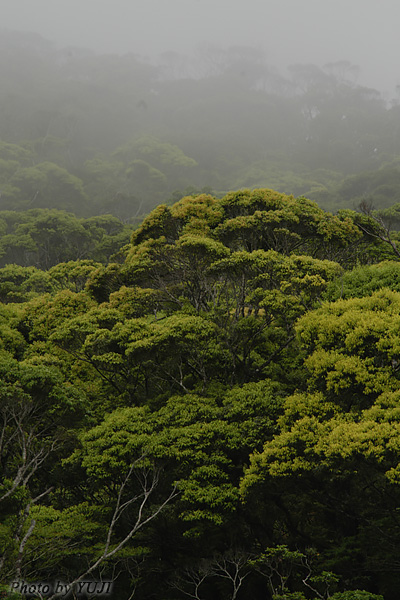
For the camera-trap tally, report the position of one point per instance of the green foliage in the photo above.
(46, 238)
(19, 284)
(59, 535)
(72, 275)
(205, 444)
(364, 280)
(340, 434)
(38, 412)
(379, 186)
(206, 375)
(8, 594)
(224, 346)
(354, 351)
(44, 185)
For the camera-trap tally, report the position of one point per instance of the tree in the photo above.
(19, 284)
(44, 238)
(47, 185)
(335, 461)
(36, 411)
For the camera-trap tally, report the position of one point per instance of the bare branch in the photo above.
(22, 547)
(383, 231)
(148, 487)
(235, 568)
(193, 579)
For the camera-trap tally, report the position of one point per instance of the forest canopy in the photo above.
(199, 388)
(212, 413)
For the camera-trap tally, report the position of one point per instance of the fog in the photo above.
(363, 32)
(115, 107)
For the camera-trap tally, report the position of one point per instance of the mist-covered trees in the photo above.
(44, 238)
(115, 134)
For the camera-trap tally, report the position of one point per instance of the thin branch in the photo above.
(141, 521)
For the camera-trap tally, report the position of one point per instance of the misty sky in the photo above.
(290, 31)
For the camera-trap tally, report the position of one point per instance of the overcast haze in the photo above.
(364, 32)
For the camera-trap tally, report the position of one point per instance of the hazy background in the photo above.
(132, 104)
(364, 32)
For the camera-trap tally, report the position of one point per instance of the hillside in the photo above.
(107, 134)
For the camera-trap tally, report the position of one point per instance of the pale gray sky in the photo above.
(291, 31)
